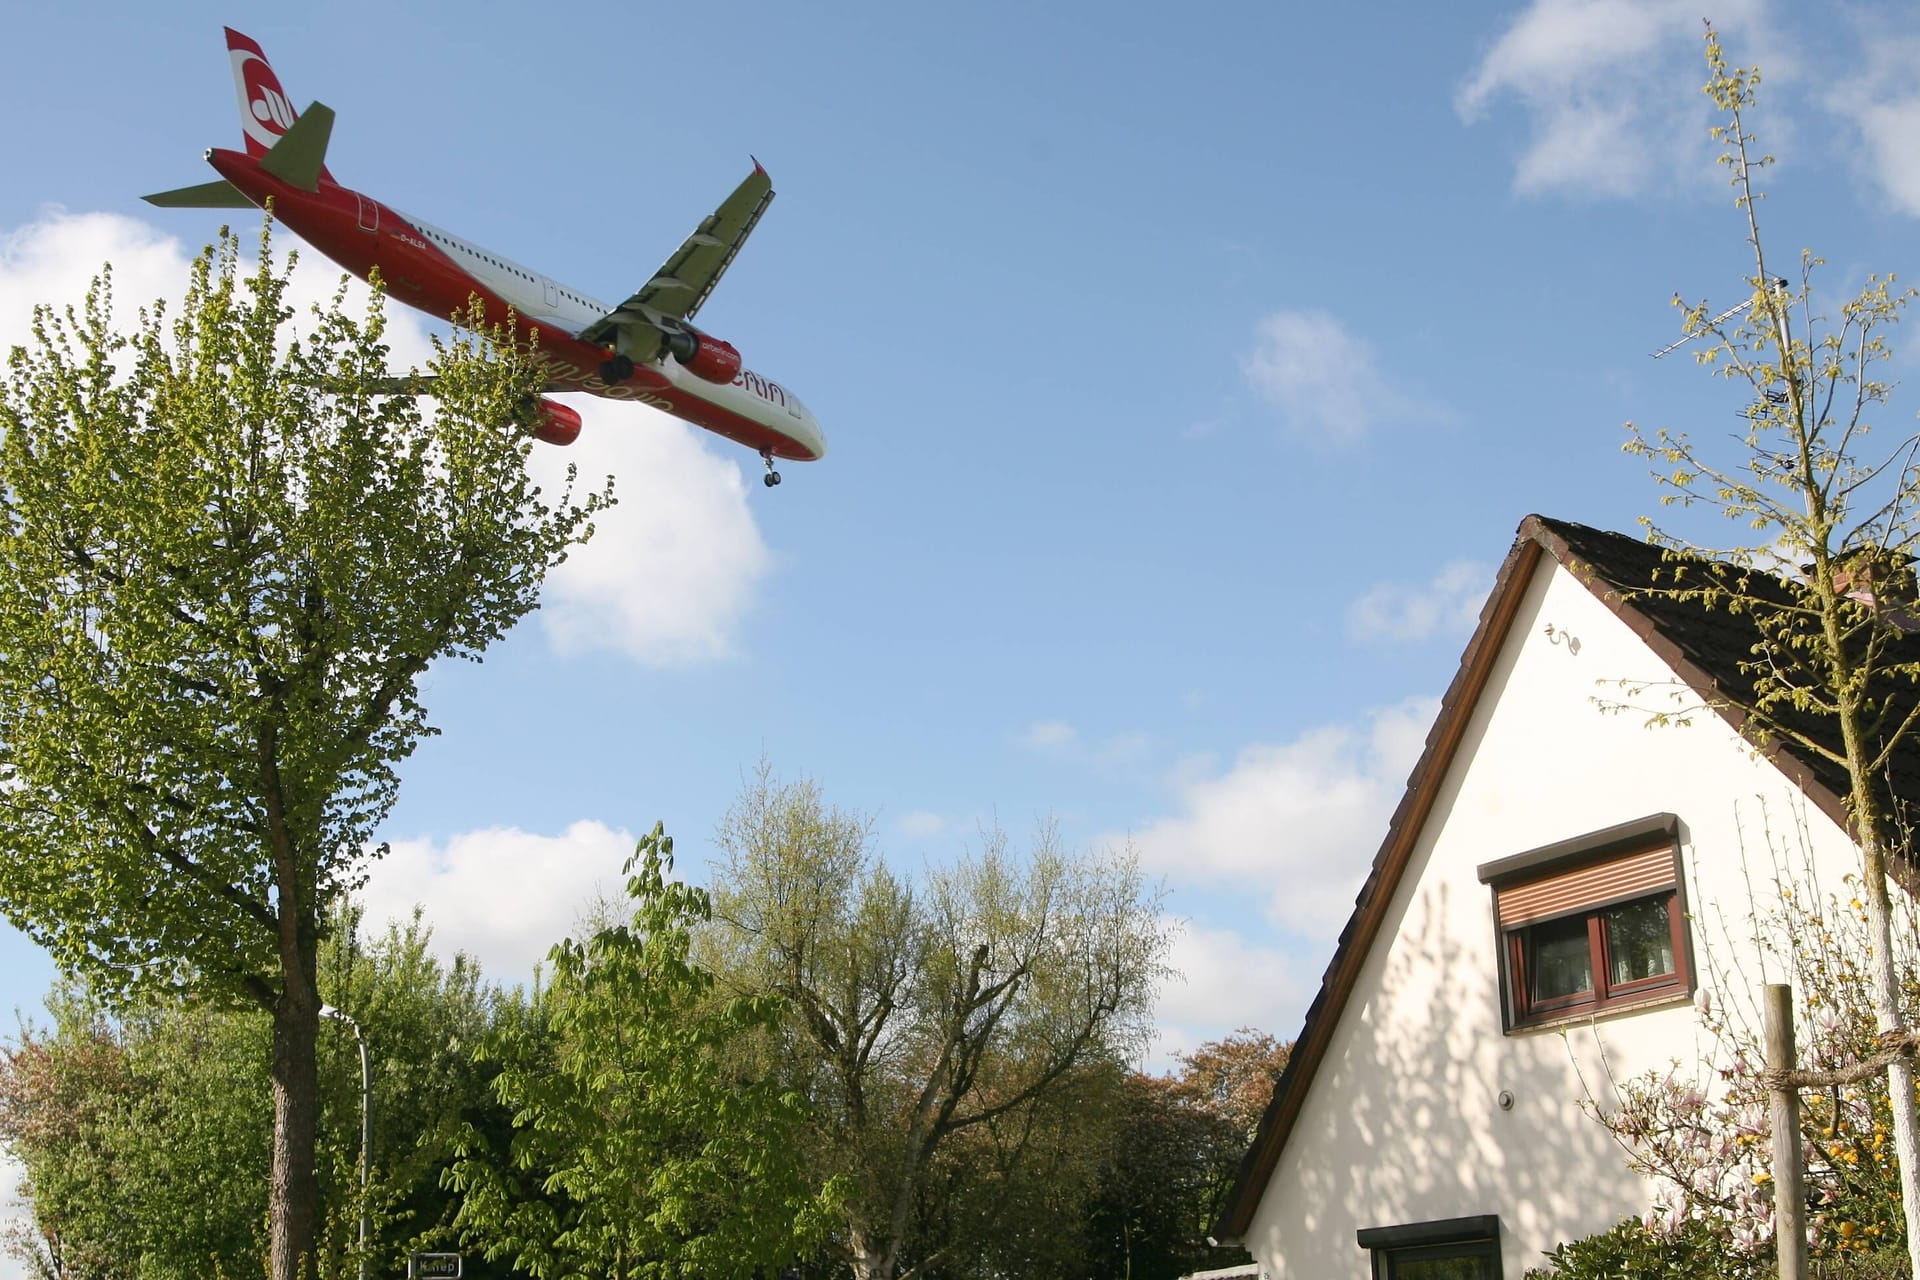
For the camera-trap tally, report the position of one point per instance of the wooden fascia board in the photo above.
(1356, 940)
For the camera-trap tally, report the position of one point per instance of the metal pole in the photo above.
(1789, 1171)
(366, 1145)
(366, 1129)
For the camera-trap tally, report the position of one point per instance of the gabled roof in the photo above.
(1705, 647)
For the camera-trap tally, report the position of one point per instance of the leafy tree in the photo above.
(1002, 1198)
(936, 1026)
(1832, 663)
(1234, 1077)
(639, 1146)
(127, 1167)
(1176, 1145)
(225, 560)
(146, 1136)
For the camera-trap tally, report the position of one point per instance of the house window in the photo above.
(1590, 924)
(1453, 1249)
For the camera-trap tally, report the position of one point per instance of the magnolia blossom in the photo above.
(1703, 1130)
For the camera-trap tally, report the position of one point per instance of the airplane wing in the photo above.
(685, 280)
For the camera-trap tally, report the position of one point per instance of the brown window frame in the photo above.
(1634, 848)
(1603, 993)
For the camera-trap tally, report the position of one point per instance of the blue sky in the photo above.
(1184, 382)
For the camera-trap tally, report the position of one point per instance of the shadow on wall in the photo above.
(1407, 1125)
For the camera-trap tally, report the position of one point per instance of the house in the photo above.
(1534, 926)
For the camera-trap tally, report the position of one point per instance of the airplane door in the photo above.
(552, 291)
(369, 213)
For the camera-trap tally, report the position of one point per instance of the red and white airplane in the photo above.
(644, 349)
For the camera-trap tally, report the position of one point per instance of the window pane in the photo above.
(1462, 1265)
(1558, 962)
(1639, 940)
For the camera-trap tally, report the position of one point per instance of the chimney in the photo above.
(1883, 581)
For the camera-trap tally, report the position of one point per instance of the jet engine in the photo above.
(704, 356)
(554, 422)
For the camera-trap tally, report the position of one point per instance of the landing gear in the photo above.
(772, 477)
(616, 369)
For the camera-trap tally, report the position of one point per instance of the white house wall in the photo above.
(1401, 1123)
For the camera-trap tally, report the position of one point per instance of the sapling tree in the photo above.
(226, 558)
(1833, 668)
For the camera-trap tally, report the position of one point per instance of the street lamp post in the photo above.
(366, 1126)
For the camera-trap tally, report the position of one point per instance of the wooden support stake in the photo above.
(1789, 1170)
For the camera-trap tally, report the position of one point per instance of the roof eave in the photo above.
(1356, 939)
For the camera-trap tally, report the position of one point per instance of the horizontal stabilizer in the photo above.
(208, 195)
(301, 154)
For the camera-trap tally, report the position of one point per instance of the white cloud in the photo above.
(1878, 97)
(670, 571)
(922, 824)
(1325, 382)
(1043, 735)
(1225, 983)
(1611, 88)
(55, 259)
(1299, 821)
(502, 895)
(674, 566)
(1449, 604)
(1125, 750)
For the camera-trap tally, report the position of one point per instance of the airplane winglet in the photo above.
(300, 156)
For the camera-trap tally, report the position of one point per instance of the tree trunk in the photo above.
(293, 1191)
(868, 1262)
(1889, 1018)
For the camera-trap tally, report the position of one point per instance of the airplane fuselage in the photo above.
(437, 272)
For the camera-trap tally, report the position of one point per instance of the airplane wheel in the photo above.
(616, 370)
(771, 479)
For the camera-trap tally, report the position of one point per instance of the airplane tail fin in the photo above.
(300, 157)
(266, 113)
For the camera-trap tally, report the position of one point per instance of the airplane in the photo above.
(645, 349)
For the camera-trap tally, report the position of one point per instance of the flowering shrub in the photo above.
(1693, 1250)
(1704, 1133)
(1696, 1251)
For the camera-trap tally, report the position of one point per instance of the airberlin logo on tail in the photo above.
(265, 113)
(271, 108)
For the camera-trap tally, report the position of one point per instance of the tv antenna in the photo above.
(1779, 286)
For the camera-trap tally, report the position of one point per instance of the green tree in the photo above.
(1176, 1144)
(640, 1149)
(1833, 671)
(225, 560)
(146, 1133)
(937, 1026)
(130, 1132)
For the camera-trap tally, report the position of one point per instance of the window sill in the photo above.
(1618, 1009)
